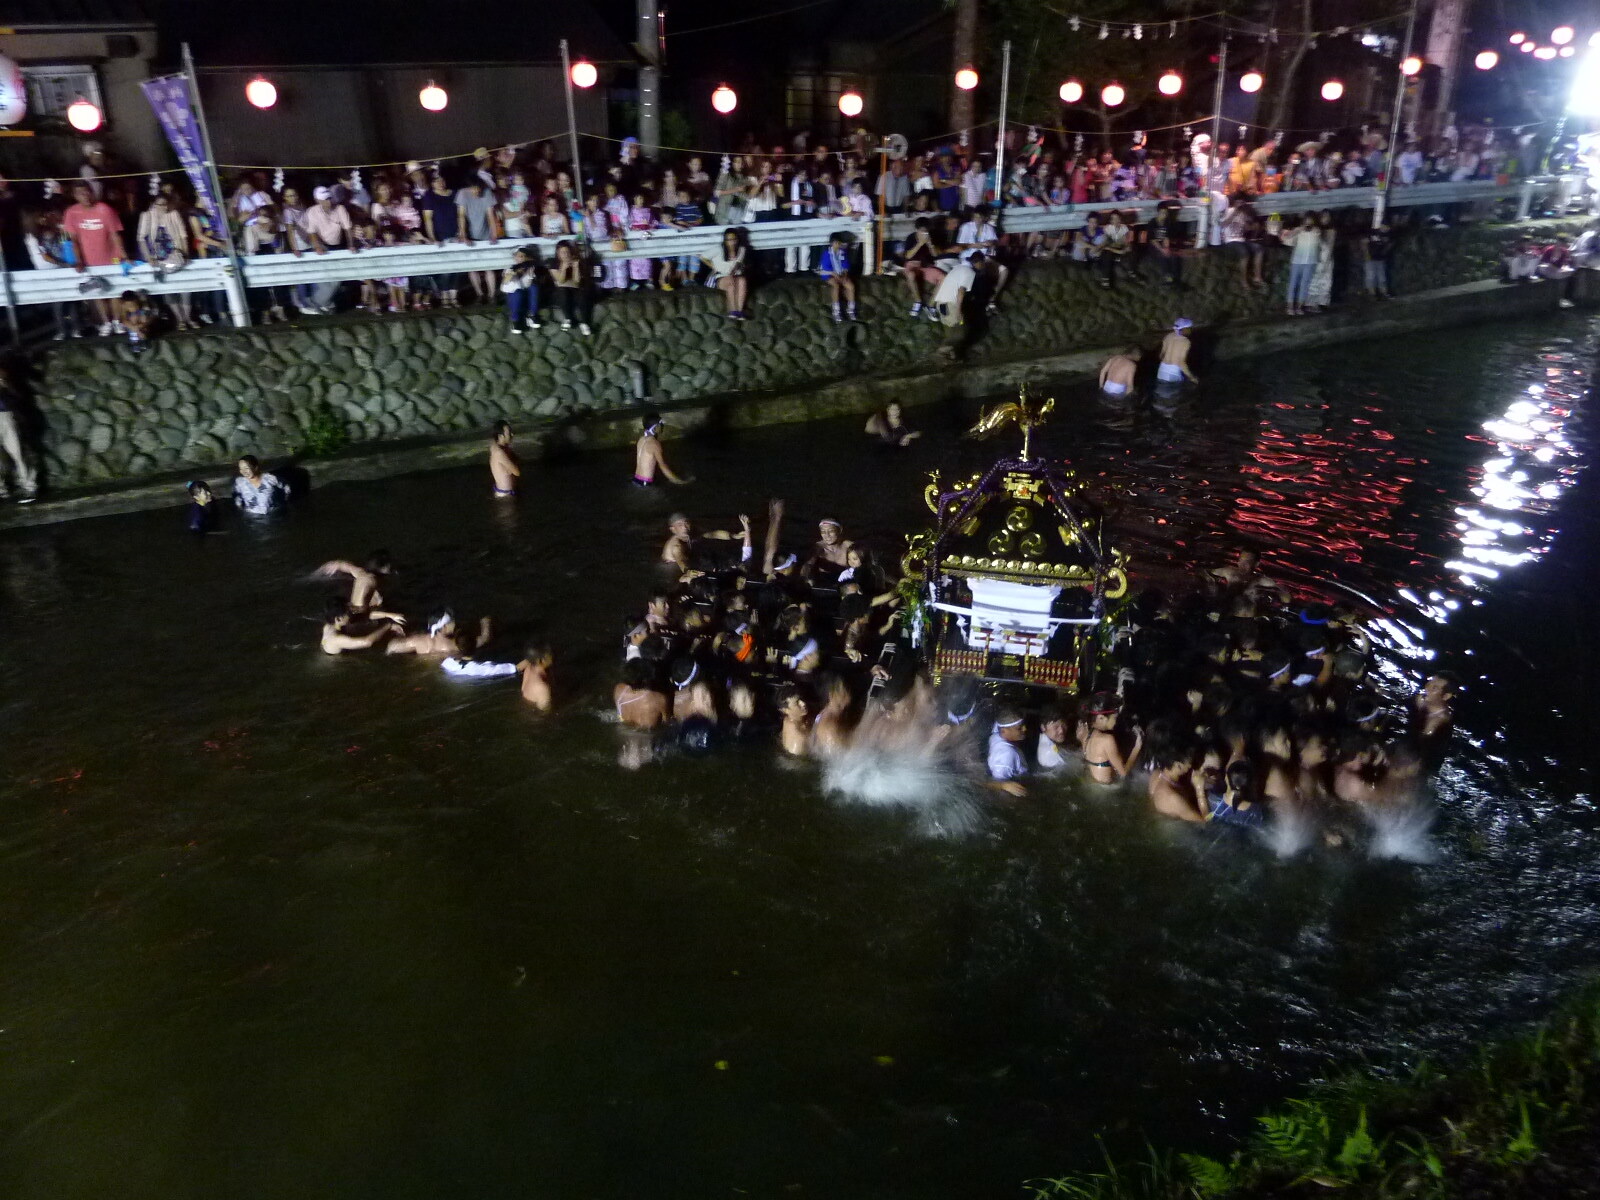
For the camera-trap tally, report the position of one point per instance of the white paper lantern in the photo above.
(13, 92)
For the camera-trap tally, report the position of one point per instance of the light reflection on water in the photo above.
(424, 944)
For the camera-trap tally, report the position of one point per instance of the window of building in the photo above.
(52, 88)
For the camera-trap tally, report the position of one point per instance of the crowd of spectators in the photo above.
(514, 193)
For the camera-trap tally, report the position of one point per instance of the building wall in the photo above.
(334, 117)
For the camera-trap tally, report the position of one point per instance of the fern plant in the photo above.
(325, 433)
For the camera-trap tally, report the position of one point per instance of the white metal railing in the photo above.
(381, 262)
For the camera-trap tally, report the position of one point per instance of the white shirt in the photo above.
(1049, 755)
(973, 234)
(1005, 760)
(958, 279)
(975, 186)
(860, 205)
(1409, 163)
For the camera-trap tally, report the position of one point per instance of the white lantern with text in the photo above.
(1071, 92)
(584, 74)
(851, 104)
(1170, 84)
(724, 99)
(1112, 95)
(13, 92)
(1332, 90)
(1250, 81)
(966, 79)
(433, 97)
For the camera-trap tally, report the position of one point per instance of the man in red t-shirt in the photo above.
(96, 233)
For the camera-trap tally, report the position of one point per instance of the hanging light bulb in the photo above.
(433, 97)
(1566, 52)
(1071, 92)
(1250, 81)
(261, 92)
(851, 104)
(83, 116)
(584, 74)
(1112, 95)
(1410, 66)
(966, 79)
(724, 99)
(1545, 52)
(1170, 84)
(1561, 34)
(1527, 47)
(1518, 38)
(1332, 90)
(1487, 60)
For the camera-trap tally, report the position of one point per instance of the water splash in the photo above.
(908, 760)
(1401, 832)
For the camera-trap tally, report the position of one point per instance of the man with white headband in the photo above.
(1175, 348)
(1007, 766)
(648, 457)
(831, 553)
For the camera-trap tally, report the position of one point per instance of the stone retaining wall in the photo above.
(194, 402)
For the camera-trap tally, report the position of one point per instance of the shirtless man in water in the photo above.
(832, 550)
(795, 736)
(648, 457)
(1171, 789)
(1175, 348)
(443, 639)
(535, 668)
(1117, 376)
(680, 544)
(364, 592)
(503, 465)
(831, 734)
(336, 641)
(639, 705)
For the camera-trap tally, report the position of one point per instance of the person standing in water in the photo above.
(535, 668)
(504, 468)
(648, 457)
(1102, 752)
(1005, 760)
(1175, 348)
(1117, 376)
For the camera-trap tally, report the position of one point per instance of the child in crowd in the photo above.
(133, 311)
(835, 271)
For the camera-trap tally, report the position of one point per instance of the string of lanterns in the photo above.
(262, 93)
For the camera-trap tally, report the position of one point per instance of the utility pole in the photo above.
(572, 120)
(1447, 26)
(963, 53)
(1392, 155)
(647, 45)
(1000, 134)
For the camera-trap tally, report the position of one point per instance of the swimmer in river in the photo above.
(795, 734)
(648, 457)
(1007, 766)
(442, 638)
(887, 426)
(639, 705)
(830, 733)
(535, 669)
(1241, 800)
(694, 705)
(335, 639)
(201, 515)
(1102, 752)
(831, 553)
(364, 592)
(1433, 716)
(679, 546)
(1171, 787)
(1175, 349)
(1117, 376)
(504, 468)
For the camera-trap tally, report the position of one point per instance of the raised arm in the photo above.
(774, 526)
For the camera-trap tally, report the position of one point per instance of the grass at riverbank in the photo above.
(1519, 1119)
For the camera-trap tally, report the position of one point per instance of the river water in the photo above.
(278, 925)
